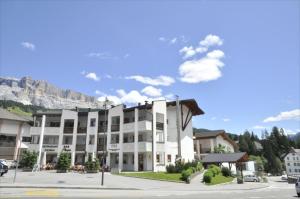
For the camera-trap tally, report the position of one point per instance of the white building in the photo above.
(11, 128)
(206, 141)
(125, 133)
(292, 162)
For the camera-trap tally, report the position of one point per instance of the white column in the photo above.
(72, 158)
(136, 139)
(198, 148)
(93, 155)
(211, 145)
(154, 140)
(41, 140)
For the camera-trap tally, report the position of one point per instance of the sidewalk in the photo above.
(51, 179)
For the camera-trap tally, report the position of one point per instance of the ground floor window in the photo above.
(160, 158)
(169, 158)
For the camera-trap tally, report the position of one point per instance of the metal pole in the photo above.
(105, 134)
(38, 163)
(178, 127)
(18, 153)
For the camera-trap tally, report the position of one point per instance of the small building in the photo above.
(12, 126)
(206, 141)
(292, 162)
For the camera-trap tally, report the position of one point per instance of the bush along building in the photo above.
(142, 138)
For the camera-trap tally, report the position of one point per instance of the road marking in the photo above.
(42, 192)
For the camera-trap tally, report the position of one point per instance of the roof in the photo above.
(6, 115)
(191, 104)
(225, 157)
(205, 134)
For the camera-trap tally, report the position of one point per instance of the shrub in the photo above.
(226, 172)
(199, 166)
(91, 165)
(214, 169)
(208, 175)
(64, 161)
(171, 168)
(186, 174)
(179, 166)
(28, 159)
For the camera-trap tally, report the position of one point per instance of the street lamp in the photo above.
(105, 144)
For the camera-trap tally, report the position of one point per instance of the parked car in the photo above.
(3, 167)
(284, 177)
(297, 186)
(251, 178)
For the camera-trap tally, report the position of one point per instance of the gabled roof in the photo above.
(191, 104)
(225, 157)
(6, 115)
(206, 134)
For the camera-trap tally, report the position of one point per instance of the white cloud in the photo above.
(211, 40)
(191, 51)
(173, 41)
(158, 81)
(28, 45)
(92, 76)
(287, 115)
(162, 39)
(289, 132)
(213, 118)
(152, 91)
(116, 100)
(260, 127)
(226, 119)
(126, 56)
(215, 54)
(202, 70)
(97, 92)
(102, 55)
(107, 76)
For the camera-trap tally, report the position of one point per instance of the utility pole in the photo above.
(105, 144)
(178, 127)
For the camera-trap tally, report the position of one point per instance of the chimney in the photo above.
(124, 106)
(139, 104)
(146, 102)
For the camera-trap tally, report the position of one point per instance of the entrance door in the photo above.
(141, 162)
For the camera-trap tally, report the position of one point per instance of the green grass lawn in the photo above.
(220, 179)
(155, 175)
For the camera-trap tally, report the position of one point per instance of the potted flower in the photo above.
(92, 166)
(28, 160)
(64, 162)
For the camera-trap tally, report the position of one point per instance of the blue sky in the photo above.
(238, 59)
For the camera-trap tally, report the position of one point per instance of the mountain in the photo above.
(41, 93)
(294, 137)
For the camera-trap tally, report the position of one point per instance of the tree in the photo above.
(28, 159)
(64, 161)
(220, 149)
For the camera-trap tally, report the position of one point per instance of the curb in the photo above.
(182, 182)
(60, 187)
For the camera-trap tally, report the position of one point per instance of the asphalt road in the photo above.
(277, 190)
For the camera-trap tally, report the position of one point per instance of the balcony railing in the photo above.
(115, 127)
(81, 130)
(80, 147)
(68, 129)
(102, 129)
(100, 147)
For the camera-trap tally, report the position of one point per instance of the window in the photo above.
(294, 164)
(35, 139)
(115, 123)
(296, 170)
(293, 158)
(51, 139)
(160, 137)
(288, 164)
(68, 126)
(67, 140)
(160, 121)
(26, 139)
(160, 158)
(114, 139)
(169, 158)
(290, 170)
(125, 159)
(287, 158)
(92, 139)
(297, 158)
(93, 122)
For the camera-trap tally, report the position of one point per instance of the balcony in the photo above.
(145, 125)
(48, 130)
(68, 130)
(80, 147)
(100, 148)
(81, 130)
(114, 147)
(144, 146)
(115, 127)
(50, 145)
(128, 127)
(102, 129)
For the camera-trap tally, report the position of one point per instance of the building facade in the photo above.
(208, 141)
(140, 138)
(12, 127)
(292, 162)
